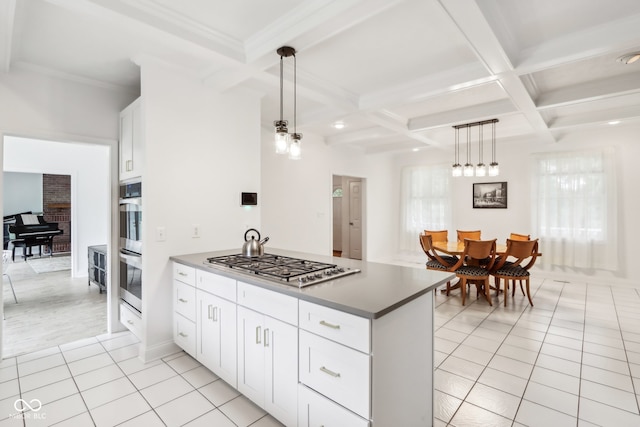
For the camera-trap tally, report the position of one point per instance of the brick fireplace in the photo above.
(56, 205)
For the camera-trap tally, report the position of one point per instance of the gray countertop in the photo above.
(378, 289)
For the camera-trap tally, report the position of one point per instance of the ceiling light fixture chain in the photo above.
(480, 169)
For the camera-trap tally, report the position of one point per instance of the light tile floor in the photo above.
(100, 381)
(573, 359)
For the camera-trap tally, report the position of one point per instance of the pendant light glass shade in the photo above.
(494, 169)
(295, 149)
(282, 137)
(480, 169)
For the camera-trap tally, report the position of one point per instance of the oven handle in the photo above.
(132, 259)
(131, 201)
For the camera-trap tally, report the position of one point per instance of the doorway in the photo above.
(77, 309)
(348, 216)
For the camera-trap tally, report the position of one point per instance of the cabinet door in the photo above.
(217, 336)
(251, 355)
(281, 370)
(126, 143)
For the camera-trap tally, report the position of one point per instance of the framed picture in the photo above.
(491, 195)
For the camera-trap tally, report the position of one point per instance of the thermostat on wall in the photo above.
(249, 199)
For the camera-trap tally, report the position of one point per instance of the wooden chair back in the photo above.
(480, 250)
(516, 236)
(464, 234)
(438, 236)
(519, 251)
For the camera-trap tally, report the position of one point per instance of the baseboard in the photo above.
(149, 354)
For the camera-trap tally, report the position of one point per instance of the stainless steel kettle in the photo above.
(253, 247)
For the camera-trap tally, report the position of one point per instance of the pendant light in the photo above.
(456, 170)
(286, 142)
(468, 167)
(494, 169)
(481, 169)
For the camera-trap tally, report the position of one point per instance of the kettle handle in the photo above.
(247, 232)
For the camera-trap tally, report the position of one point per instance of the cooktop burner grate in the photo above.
(294, 271)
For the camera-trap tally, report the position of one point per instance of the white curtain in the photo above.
(425, 204)
(575, 209)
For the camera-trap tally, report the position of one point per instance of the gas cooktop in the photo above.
(291, 271)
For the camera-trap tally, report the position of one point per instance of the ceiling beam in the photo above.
(591, 91)
(463, 115)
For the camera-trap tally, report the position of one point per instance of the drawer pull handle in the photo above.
(329, 325)
(130, 322)
(182, 273)
(182, 300)
(330, 372)
(182, 334)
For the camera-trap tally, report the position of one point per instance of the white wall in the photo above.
(202, 149)
(515, 163)
(22, 192)
(296, 197)
(88, 166)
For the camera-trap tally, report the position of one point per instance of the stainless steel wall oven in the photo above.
(131, 244)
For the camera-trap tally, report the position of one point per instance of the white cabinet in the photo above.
(268, 352)
(316, 410)
(184, 308)
(216, 334)
(131, 319)
(131, 141)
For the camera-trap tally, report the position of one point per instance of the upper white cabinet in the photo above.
(131, 141)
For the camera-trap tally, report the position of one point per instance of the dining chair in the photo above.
(463, 234)
(516, 236)
(470, 267)
(518, 252)
(437, 261)
(438, 236)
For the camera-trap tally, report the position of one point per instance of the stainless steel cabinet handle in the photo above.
(182, 334)
(209, 312)
(329, 325)
(182, 300)
(258, 335)
(181, 273)
(215, 314)
(330, 372)
(266, 337)
(130, 322)
(129, 165)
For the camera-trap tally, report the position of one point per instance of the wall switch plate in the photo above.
(161, 234)
(195, 231)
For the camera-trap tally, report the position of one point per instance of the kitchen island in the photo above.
(357, 350)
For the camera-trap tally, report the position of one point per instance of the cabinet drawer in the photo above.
(221, 286)
(131, 319)
(184, 334)
(345, 328)
(184, 274)
(316, 410)
(274, 304)
(184, 300)
(338, 372)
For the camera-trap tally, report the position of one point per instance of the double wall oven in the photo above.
(131, 244)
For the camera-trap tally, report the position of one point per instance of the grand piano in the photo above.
(32, 230)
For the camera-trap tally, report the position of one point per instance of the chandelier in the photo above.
(287, 143)
(480, 169)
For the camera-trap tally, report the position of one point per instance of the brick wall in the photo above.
(56, 204)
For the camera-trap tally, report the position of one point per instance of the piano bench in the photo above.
(27, 244)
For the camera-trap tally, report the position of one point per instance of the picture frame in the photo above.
(490, 195)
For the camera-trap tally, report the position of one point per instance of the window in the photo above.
(575, 208)
(425, 201)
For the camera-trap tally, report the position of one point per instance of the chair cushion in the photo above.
(470, 270)
(512, 271)
(435, 265)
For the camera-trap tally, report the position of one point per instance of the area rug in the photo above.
(49, 264)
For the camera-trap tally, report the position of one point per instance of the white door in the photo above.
(355, 219)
